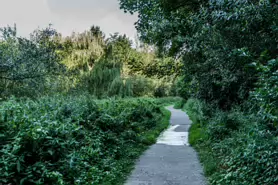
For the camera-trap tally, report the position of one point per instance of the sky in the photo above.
(66, 16)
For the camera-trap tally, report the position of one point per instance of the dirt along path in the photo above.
(171, 161)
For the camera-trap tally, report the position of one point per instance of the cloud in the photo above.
(27, 14)
(66, 15)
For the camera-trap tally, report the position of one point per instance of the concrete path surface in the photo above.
(171, 161)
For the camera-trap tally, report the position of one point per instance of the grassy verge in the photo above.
(198, 139)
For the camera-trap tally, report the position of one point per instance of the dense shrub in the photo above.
(73, 140)
(229, 51)
(181, 87)
(179, 104)
(197, 110)
(266, 94)
(222, 124)
(28, 64)
(141, 86)
(160, 92)
(253, 161)
(235, 147)
(168, 100)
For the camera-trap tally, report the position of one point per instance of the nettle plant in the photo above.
(65, 140)
(266, 94)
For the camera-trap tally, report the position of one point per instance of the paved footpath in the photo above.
(171, 161)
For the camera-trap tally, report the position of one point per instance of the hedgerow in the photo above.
(234, 147)
(74, 140)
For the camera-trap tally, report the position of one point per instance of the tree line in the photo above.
(49, 63)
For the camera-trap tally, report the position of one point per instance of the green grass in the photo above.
(198, 139)
(196, 134)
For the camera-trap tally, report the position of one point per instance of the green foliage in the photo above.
(229, 52)
(105, 79)
(254, 161)
(160, 92)
(223, 124)
(181, 87)
(81, 50)
(75, 140)
(196, 134)
(266, 94)
(27, 64)
(49, 63)
(118, 47)
(197, 110)
(141, 86)
(179, 104)
(167, 100)
(163, 67)
(216, 40)
(111, 67)
(234, 147)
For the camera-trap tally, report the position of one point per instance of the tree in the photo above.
(26, 63)
(217, 41)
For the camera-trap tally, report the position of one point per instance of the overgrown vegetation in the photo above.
(75, 140)
(229, 77)
(48, 63)
(68, 112)
(234, 147)
(220, 56)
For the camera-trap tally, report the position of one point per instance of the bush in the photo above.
(234, 147)
(266, 94)
(27, 64)
(197, 110)
(179, 104)
(160, 92)
(74, 140)
(222, 124)
(168, 100)
(252, 161)
(141, 86)
(181, 87)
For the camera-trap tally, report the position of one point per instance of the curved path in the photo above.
(171, 161)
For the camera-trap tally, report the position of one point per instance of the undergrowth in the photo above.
(234, 147)
(179, 103)
(74, 139)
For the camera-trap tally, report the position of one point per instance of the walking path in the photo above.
(171, 161)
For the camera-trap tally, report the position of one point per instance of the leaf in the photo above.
(22, 181)
(18, 166)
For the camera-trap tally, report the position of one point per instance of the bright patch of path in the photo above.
(171, 161)
(171, 137)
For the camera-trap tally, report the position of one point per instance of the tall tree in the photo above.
(26, 63)
(218, 40)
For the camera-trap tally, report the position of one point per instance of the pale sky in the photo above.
(66, 16)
